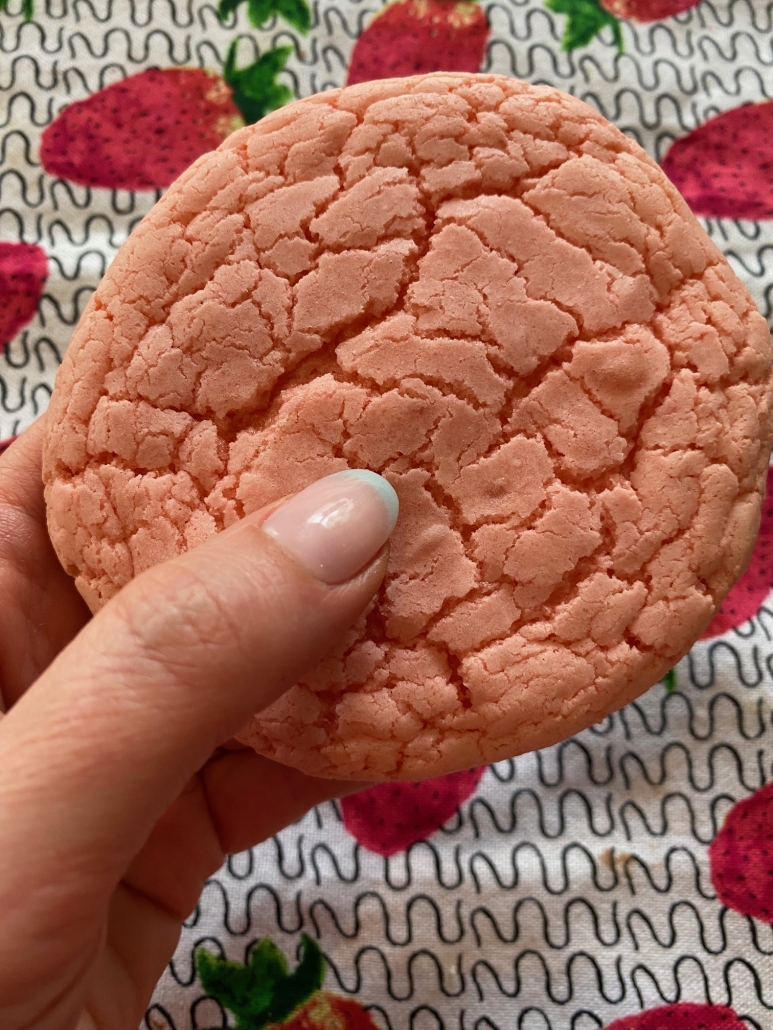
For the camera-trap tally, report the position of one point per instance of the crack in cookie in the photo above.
(488, 294)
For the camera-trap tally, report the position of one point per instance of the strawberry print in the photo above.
(741, 856)
(326, 1011)
(263, 993)
(745, 598)
(410, 37)
(23, 272)
(141, 133)
(647, 10)
(724, 168)
(682, 1016)
(390, 817)
(586, 18)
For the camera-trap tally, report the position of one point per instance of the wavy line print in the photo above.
(481, 859)
(425, 985)
(15, 175)
(711, 50)
(671, 938)
(334, 918)
(31, 61)
(633, 864)
(674, 799)
(670, 705)
(752, 10)
(78, 303)
(631, 758)
(718, 227)
(522, 63)
(533, 904)
(21, 343)
(571, 794)
(29, 32)
(542, 16)
(550, 990)
(215, 887)
(622, 762)
(725, 646)
(90, 45)
(7, 406)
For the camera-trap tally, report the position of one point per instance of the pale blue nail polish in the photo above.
(382, 488)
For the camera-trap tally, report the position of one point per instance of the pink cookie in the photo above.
(485, 291)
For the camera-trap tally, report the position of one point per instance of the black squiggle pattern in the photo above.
(510, 929)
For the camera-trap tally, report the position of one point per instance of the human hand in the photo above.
(117, 800)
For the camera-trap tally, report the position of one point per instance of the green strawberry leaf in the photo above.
(226, 7)
(229, 982)
(296, 12)
(267, 963)
(254, 88)
(260, 11)
(586, 18)
(262, 992)
(300, 985)
(669, 681)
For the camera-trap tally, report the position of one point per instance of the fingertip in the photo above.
(337, 525)
(383, 488)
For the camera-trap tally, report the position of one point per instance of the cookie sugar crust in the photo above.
(486, 292)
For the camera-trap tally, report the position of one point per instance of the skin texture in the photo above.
(486, 292)
(117, 798)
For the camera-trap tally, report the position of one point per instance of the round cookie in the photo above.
(486, 292)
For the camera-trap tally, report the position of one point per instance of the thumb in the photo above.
(172, 667)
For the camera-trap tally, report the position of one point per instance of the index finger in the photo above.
(41, 609)
(21, 463)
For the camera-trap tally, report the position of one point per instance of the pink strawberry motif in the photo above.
(741, 856)
(410, 37)
(141, 133)
(23, 271)
(586, 18)
(681, 1016)
(390, 817)
(327, 1011)
(724, 168)
(755, 584)
(647, 10)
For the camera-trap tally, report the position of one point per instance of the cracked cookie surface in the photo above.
(484, 291)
